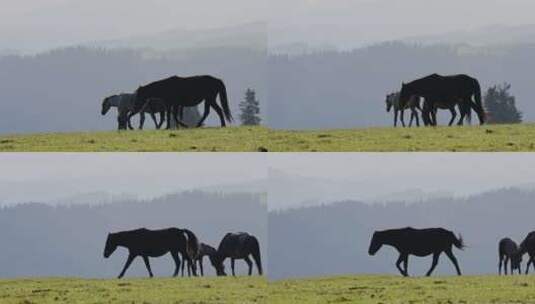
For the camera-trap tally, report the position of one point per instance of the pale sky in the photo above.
(325, 178)
(45, 177)
(355, 22)
(29, 24)
(40, 24)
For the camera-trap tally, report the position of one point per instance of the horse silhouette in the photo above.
(528, 246)
(418, 242)
(508, 251)
(154, 243)
(125, 105)
(237, 246)
(392, 101)
(177, 92)
(204, 250)
(448, 90)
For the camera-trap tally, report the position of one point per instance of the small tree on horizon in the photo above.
(250, 108)
(501, 105)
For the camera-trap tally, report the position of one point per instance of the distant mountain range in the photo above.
(318, 39)
(495, 35)
(249, 36)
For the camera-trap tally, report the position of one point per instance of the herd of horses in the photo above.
(168, 98)
(183, 243)
(435, 241)
(437, 92)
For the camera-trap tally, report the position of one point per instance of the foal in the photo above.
(508, 250)
(392, 101)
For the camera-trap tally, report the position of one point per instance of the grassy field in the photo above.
(252, 139)
(143, 291)
(391, 290)
(234, 139)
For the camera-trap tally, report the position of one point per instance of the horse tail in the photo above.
(192, 244)
(458, 241)
(478, 102)
(224, 101)
(256, 254)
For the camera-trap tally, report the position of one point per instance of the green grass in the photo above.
(392, 290)
(134, 291)
(468, 138)
(251, 139)
(233, 139)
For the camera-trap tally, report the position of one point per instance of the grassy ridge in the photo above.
(234, 139)
(391, 290)
(251, 139)
(133, 291)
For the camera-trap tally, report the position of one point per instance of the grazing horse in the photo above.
(154, 243)
(204, 250)
(507, 250)
(237, 246)
(177, 92)
(528, 246)
(392, 101)
(451, 90)
(125, 105)
(418, 242)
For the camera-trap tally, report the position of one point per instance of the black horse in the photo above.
(237, 246)
(528, 246)
(204, 250)
(507, 250)
(418, 242)
(452, 90)
(178, 92)
(154, 243)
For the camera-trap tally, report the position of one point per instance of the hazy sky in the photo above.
(29, 24)
(361, 21)
(41, 24)
(325, 178)
(42, 177)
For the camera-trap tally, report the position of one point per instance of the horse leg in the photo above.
(527, 265)
(453, 260)
(453, 115)
(512, 270)
(126, 265)
(406, 264)
(232, 263)
(402, 117)
(433, 264)
(176, 258)
(401, 258)
(168, 114)
(249, 264)
(219, 111)
(201, 268)
(153, 116)
(141, 120)
(147, 264)
(505, 265)
(395, 118)
(162, 117)
(206, 112)
(462, 110)
(500, 265)
(415, 113)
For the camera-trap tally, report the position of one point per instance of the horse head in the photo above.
(375, 244)
(106, 105)
(217, 261)
(110, 247)
(516, 260)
